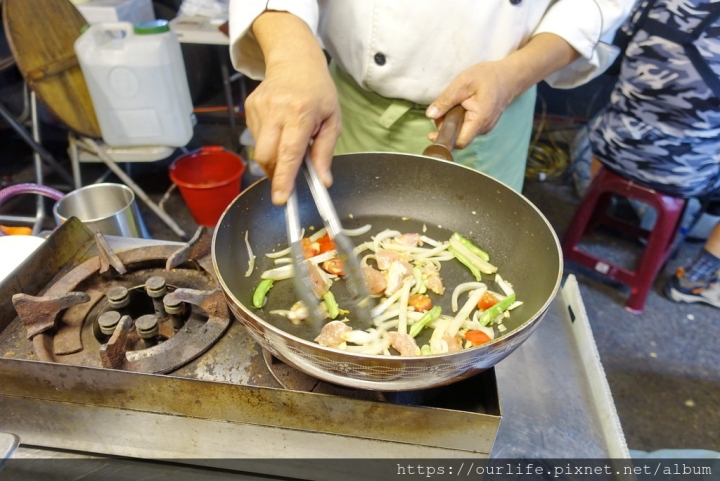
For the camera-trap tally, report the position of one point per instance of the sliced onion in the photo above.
(318, 234)
(442, 259)
(279, 273)
(389, 314)
(325, 256)
(476, 326)
(432, 252)
(386, 234)
(374, 348)
(361, 337)
(359, 231)
(467, 286)
(251, 257)
(384, 305)
(365, 246)
(387, 325)
(505, 286)
(428, 240)
(363, 261)
(404, 296)
(275, 255)
(437, 344)
(464, 313)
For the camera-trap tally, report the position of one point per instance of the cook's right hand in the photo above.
(295, 103)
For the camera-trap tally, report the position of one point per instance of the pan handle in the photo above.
(443, 146)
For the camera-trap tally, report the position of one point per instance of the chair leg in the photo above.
(75, 160)
(582, 218)
(39, 151)
(34, 142)
(40, 209)
(93, 147)
(656, 252)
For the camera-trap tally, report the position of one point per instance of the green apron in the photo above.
(373, 123)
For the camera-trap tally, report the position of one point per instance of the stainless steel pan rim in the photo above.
(267, 334)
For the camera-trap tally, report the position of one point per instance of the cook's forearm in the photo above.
(284, 37)
(544, 54)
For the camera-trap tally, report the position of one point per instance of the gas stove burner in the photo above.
(151, 309)
(290, 378)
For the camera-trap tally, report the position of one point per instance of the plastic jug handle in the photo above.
(125, 27)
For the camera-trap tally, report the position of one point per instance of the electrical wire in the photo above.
(547, 160)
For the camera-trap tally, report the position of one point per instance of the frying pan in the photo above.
(408, 193)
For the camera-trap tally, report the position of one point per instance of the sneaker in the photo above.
(679, 289)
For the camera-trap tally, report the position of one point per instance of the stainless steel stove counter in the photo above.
(234, 401)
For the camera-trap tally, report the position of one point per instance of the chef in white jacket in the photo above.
(399, 65)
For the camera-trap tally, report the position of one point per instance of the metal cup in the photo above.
(106, 208)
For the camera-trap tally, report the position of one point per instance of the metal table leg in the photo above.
(227, 84)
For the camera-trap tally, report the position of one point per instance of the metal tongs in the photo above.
(360, 302)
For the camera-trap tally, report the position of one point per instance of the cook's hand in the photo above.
(487, 88)
(484, 90)
(296, 102)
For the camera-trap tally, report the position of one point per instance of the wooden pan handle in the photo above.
(445, 143)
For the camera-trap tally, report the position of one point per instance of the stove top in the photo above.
(138, 308)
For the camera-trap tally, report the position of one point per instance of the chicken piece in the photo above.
(410, 240)
(395, 276)
(433, 280)
(334, 266)
(309, 248)
(375, 280)
(385, 258)
(454, 343)
(317, 282)
(298, 313)
(331, 334)
(404, 344)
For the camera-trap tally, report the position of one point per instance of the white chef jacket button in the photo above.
(515, 2)
(380, 59)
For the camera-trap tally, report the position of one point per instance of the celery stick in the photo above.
(427, 318)
(332, 306)
(487, 317)
(481, 253)
(474, 270)
(261, 291)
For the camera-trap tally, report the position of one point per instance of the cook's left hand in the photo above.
(487, 88)
(484, 90)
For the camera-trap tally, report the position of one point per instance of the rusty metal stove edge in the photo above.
(68, 243)
(69, 388)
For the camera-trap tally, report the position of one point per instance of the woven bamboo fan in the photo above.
(41, 34)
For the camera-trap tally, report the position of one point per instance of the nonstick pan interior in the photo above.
(405, 193)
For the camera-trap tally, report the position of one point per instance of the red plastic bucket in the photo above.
(209, 180)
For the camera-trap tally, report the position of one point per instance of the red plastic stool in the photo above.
(592, 212)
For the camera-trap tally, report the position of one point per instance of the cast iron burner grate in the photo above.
(151, 309)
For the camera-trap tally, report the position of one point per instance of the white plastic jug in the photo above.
(137, 82)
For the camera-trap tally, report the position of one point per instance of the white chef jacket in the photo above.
(425, 44)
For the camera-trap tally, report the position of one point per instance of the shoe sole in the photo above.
(678, 296)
